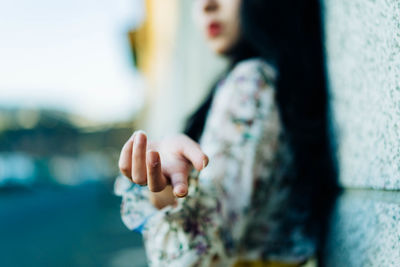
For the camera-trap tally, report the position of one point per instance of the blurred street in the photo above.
(78, 78)
(65, 226)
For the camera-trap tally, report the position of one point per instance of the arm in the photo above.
(163, 166)
(208, 224)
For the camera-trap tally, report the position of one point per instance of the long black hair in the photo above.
(288, 34)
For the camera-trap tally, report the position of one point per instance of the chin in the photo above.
(222, 46)
(220, 49)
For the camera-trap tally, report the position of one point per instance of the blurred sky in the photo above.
(71, 55)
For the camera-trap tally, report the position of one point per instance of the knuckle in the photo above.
(125, 169)
(139, 181)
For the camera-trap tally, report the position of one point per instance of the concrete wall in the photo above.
(363, 48)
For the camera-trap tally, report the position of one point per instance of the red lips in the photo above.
(214, 29)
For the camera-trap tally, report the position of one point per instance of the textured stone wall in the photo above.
(365, 230)
(363, 44)
(363, 49)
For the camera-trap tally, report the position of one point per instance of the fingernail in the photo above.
(141, 131)
(137, 139)
(205, 163)
(137, 135)
(180, 190)
(133, 136)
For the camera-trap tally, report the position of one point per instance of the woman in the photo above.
(262, 134)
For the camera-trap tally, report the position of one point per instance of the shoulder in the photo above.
(247, 90)
(249, 80)
(254, 69)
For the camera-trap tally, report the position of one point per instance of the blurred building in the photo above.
(38, 146)
(69, 90)
(178, 66)
(73, 56)
(78, 96)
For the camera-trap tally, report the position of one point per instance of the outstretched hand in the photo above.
(159, 164)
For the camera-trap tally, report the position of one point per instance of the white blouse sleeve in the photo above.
(206, 227)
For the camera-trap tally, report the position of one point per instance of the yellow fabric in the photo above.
(310, 263)
(263, 264)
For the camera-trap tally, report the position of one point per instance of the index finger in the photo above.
(193, 152)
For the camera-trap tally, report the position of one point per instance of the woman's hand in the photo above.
(159, 164)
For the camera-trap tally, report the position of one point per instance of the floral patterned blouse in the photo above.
(238, 207)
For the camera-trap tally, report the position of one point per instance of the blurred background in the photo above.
(76, 79)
